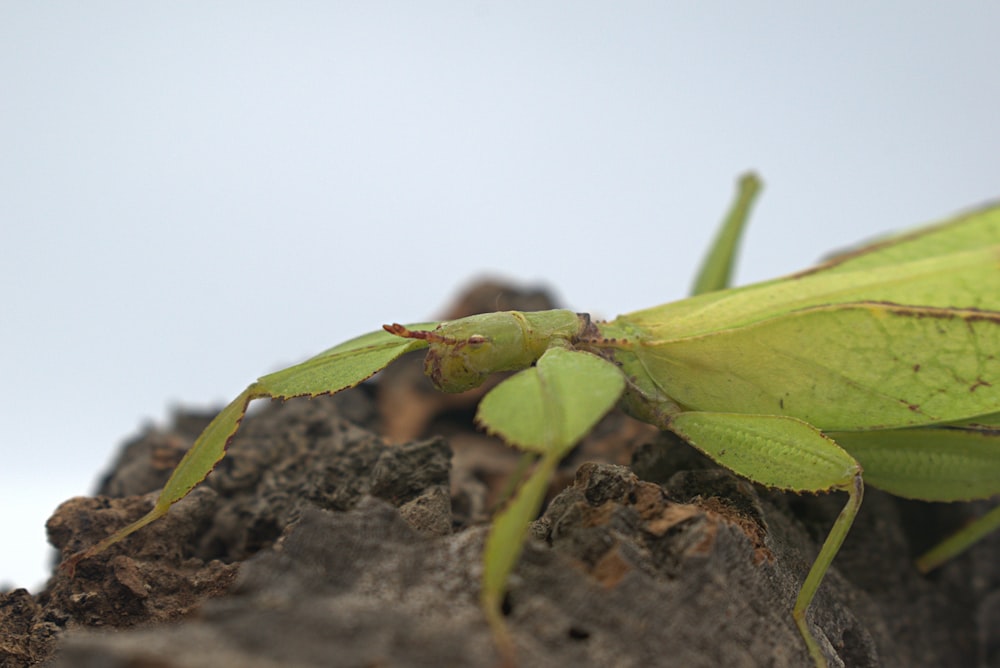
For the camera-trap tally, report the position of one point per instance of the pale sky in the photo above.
(193, 194)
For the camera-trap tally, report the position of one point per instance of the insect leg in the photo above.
(784, 453)
(959, 541)
(831, 546)
(197, 463)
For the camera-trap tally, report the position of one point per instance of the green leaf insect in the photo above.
(881, 364)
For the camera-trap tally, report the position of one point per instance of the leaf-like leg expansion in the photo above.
(334, 370)
(545, 409)
(785, 453)
(548, 408)
(949, 463)
(340, 367)
(959, 541)
(717, 268)
(192, 469)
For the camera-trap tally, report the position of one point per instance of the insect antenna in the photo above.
(429, 337)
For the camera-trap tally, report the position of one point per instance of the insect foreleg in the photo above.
(192, 469)
(334, 370)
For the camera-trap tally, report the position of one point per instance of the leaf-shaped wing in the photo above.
(929, 463)
(969, 231)
(966, 279)
(843, 367)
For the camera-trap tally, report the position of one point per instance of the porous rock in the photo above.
(318, 543)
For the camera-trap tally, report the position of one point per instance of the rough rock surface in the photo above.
(318, 543)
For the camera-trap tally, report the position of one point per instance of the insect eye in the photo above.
(477, 339)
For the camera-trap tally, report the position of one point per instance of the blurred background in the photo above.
(194, 194)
